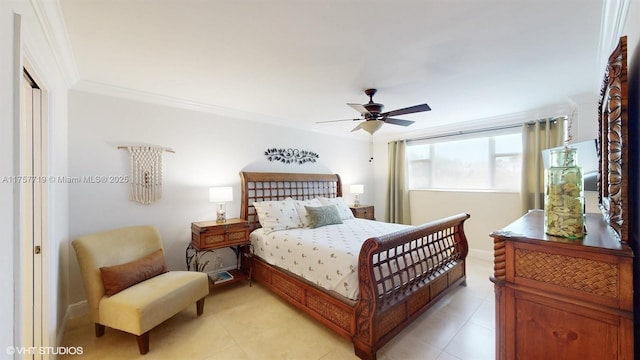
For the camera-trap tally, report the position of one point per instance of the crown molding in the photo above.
(49, 14)
(99, 88)
(170, 101)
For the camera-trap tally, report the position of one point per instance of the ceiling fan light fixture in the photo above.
(371, 126)
(374, 118)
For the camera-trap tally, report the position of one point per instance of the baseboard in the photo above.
(78, 309)
(481, 255)
(74, 311)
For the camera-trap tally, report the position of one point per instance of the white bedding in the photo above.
(326, 256)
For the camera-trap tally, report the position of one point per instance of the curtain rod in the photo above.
(495, 128)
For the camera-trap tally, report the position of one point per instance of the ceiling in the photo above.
(297, 62)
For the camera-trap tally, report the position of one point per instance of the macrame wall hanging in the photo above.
(146, 172)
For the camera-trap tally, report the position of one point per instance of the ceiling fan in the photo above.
(374, 117)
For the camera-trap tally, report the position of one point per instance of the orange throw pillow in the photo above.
(119, 277)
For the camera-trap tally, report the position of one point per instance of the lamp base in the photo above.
(221, 214)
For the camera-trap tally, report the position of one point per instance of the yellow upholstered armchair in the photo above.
(127, 283)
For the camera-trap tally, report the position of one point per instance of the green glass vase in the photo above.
(564, 196)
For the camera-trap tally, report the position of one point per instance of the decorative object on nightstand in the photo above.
(221, 195)
(363, 212)
(356, 190)
(220, 277)
(208, 236)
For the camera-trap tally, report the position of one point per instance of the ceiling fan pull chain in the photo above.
(371, 148)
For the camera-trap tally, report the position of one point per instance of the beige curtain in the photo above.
(397, 210)
(537, 136)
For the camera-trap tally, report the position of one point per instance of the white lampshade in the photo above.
(371, 126)
(357, 189)
(221, 194)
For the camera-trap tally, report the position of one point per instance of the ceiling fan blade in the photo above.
(359, 108)
(356, 128)
(408, 110)
(328, 121)
(398, 121)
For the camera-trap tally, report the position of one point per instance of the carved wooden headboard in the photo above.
(613, 149)
(263, 186)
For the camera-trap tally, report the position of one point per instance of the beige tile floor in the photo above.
(242, 322)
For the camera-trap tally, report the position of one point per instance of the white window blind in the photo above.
(484, 160)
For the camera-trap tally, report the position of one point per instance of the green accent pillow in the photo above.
(323, 215)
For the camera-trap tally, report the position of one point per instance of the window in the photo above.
(491, 161)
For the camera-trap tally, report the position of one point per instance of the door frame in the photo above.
(33, 200)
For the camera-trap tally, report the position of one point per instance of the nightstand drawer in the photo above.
(363, 212)
(207, 239)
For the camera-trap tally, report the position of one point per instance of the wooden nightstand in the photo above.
(363, 212)
(207, 236)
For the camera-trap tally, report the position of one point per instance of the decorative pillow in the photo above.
(341, 205)
(302, 212)
(323, 215)
(277, 215)
(119, 277)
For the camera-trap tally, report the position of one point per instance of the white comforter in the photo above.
(326, 256)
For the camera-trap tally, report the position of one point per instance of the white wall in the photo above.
(6, 169)
(490, 211)
(585, 124)
(34, 47)
(209, 151)
(632, 30)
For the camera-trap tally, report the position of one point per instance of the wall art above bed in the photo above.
(291, 156)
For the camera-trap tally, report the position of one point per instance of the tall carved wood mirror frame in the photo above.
(613, 143)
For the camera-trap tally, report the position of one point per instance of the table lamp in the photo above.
(356, 190)
(221, 195)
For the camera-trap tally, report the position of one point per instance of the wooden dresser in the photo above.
(562, 299)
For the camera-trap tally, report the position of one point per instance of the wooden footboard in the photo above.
(402, 274)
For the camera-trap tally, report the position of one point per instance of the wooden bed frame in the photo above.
(428, 260)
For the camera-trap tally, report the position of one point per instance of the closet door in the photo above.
(33, 201)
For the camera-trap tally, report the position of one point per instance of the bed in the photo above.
(399, 274)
